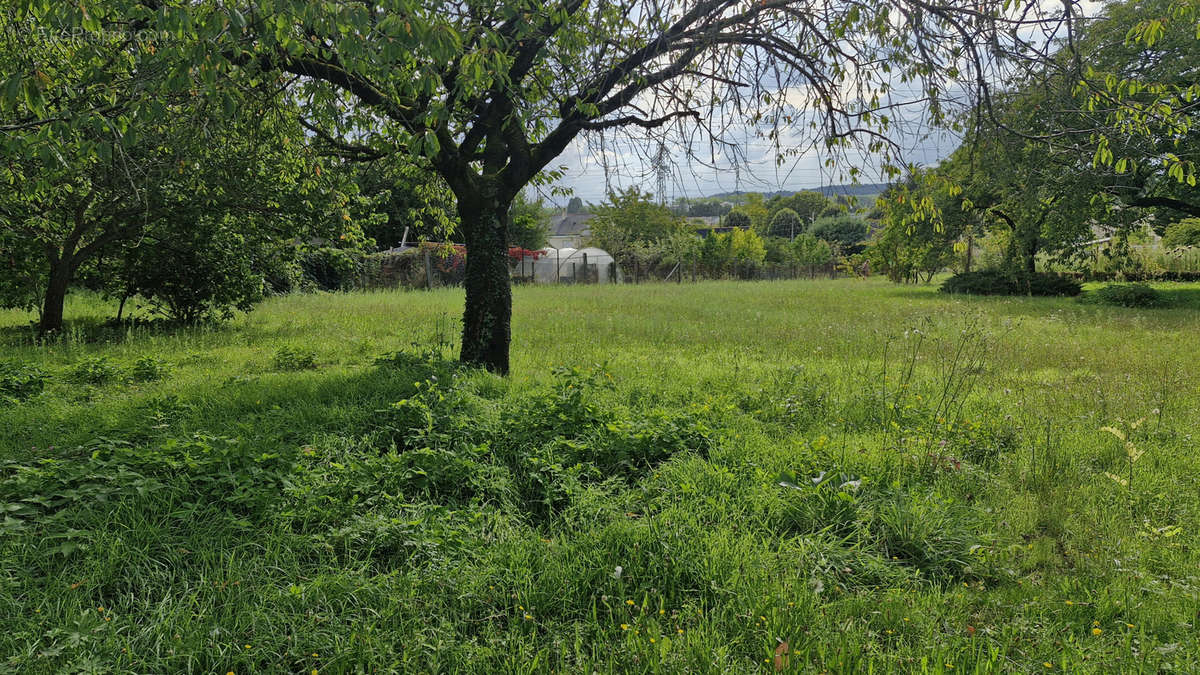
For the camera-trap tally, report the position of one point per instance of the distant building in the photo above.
(569, 230)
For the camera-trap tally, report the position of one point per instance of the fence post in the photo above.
(428, 273)
(587, 277)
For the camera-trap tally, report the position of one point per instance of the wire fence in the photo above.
(426, 270)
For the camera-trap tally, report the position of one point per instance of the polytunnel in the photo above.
(568, 265)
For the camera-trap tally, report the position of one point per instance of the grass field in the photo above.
(839, 476)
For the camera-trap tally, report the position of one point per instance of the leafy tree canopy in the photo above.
(786, 223)
(629, 217)
(492, 93)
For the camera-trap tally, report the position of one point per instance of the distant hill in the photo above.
(860, 190)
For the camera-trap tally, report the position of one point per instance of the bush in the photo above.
(94, 371)
(294, 358)
(786, 223)
(1129, 295)
(149, 369)
(1183, 233)
(846, 232)
(19, 382)
(332, 269)
(1000, 282)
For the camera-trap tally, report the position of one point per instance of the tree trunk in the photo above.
(56, 294)
(487, 319)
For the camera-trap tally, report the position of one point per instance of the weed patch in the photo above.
(845, 476)
(20, 382)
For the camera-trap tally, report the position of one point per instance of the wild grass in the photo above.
(837, 476)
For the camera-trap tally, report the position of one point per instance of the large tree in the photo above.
(106, 155)
(492, 92)
(1057, 161)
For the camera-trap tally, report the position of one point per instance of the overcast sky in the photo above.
(586, 174)
(704, 174)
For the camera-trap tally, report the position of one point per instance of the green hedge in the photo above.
(999, 282)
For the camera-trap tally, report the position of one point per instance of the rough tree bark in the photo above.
(487, 317)
(56, 293)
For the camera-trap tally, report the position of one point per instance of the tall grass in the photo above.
(836, 476)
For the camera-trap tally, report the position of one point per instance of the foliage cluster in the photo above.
(20, 381)
(845, 232)
(1004, 282)
(291, 357)
(1182, 233)
(1128, 295)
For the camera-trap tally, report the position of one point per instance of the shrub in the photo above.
(20, 381)
(786, 223)
(149, 369)
(1129, 295)
(209, 270)
(332, 269)
(1183, 233)
(294, 358)
(845, 231)
(96, 370)
(1001, 282)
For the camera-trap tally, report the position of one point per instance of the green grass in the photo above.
(313, 488)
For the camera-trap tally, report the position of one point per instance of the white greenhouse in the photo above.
(569, 265)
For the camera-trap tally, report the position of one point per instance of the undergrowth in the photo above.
(912, 487)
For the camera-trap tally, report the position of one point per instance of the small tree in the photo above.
(204, 271)
(630, 217)
(736, 219)
(530, 226)
(916, 241)
(786, 223)
(808, 205)
(746, 247)
(1185, 232)
(810, 251)
(846, 232)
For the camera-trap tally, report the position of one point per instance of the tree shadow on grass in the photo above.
(264, 410)
(1183, 297)
(97, 330)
